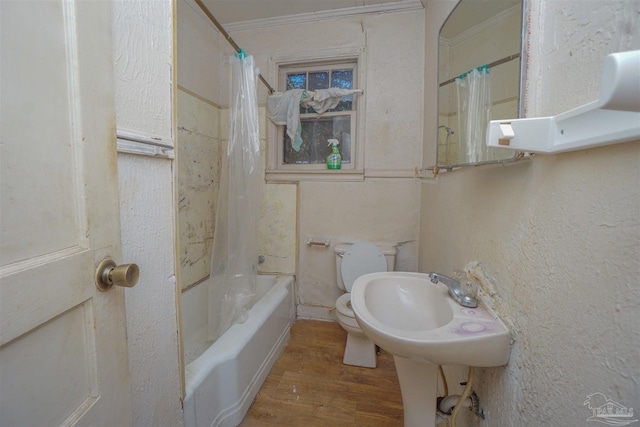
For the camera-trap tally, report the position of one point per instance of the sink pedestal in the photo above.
(423, 327)
(418, 385)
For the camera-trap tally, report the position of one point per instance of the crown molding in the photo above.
(399, 6)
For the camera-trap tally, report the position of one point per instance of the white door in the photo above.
(63, 353)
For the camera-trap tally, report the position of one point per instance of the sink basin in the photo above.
(410, 317)
(422, 326)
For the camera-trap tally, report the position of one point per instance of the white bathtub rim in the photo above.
(229, 345)
(226, 417)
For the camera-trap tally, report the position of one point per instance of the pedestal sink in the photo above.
(416, 321)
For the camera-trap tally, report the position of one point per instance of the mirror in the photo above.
(476, 34)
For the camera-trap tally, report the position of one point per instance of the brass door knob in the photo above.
(108, 274)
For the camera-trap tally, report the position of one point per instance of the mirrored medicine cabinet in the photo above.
(489, 35)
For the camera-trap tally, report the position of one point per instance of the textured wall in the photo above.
(394, 44)
(379, 211)
(143, 63)
(143, 68)
(147, 240)
(559, 235)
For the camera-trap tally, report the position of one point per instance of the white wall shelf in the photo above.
(614, 118)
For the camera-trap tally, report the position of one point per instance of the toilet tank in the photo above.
(389, 252)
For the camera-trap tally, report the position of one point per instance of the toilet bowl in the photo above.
(352, 261)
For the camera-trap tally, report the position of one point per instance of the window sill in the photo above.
(273, 175)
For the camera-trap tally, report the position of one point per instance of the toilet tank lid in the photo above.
(387, 249)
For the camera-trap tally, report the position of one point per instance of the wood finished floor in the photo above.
(310, 386)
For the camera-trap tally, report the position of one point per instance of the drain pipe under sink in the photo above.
(452, 401)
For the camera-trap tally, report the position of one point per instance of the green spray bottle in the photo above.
(334, 160)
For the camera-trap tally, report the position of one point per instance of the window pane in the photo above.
(319, 80)
(345, 104)
(297, 81)
(342, 79)
(315, 133)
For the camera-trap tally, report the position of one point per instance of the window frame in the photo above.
(277, 170)
(352, 114)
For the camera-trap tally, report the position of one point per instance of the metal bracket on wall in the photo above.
(143, 145)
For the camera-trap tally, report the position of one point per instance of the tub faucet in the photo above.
(455, 290)
(448, 129)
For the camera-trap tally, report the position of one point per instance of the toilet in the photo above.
(352, 261)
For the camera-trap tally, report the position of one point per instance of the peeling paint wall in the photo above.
(277, 229)
(203, 117)
(559, 235)
(277, 223)
(198, 169)
(199, 140)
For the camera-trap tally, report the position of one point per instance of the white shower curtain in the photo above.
(474, 114)
(234, 256)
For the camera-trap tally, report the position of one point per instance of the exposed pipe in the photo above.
(451, 401)
(444, 382)
(463, 397)
(226, 35)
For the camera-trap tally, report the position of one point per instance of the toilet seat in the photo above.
(343, 305)
(361, 258)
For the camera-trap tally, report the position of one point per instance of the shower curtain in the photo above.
(474, 114)
(234, 255)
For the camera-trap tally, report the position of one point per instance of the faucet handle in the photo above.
(470, 288)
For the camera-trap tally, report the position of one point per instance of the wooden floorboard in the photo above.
(310, 386)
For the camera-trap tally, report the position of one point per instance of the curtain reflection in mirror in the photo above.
(474, 113)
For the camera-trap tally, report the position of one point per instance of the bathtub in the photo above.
(223, 380)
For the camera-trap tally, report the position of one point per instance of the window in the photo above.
(339, 123)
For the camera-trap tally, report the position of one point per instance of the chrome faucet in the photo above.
(455, 290)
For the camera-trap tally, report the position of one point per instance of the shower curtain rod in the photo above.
(229, 39)
(493, 64)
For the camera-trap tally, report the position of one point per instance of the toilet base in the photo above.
(359, 351)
